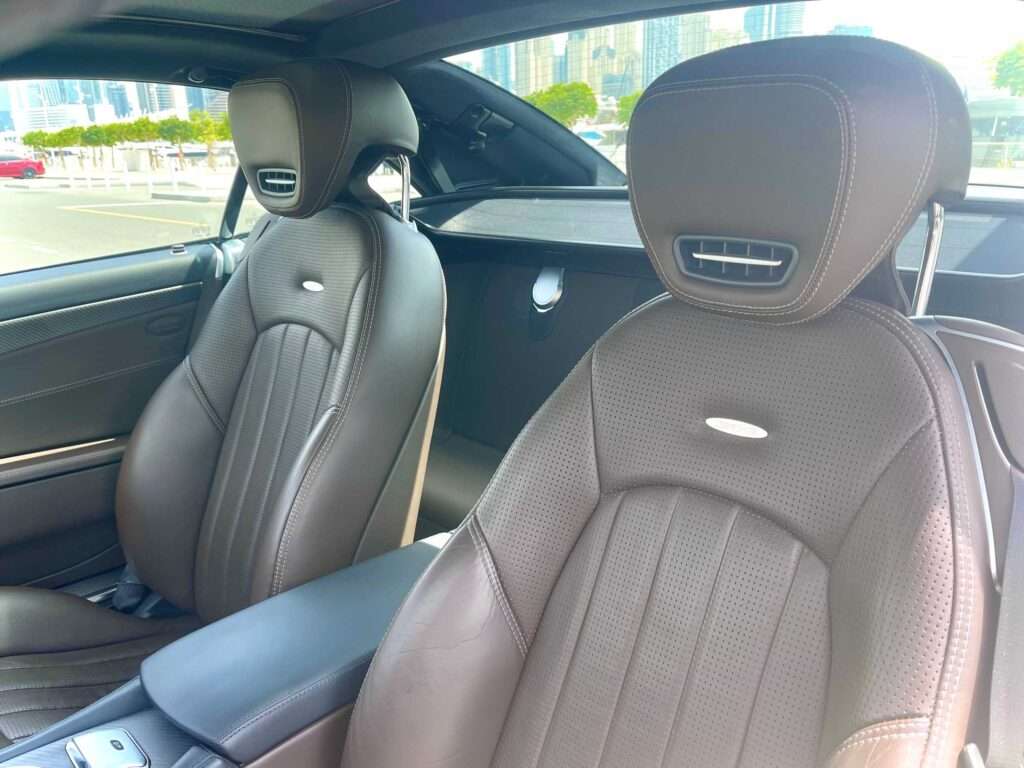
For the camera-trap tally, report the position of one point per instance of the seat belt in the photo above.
(1006, 701)
(130, 591)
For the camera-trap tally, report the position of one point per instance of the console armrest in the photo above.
(248, 682)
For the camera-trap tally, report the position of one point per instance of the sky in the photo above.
(965, 35)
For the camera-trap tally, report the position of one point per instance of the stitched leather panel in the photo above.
(672, 613)
(37, 690)
(283, 393)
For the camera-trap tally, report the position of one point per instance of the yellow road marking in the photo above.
(86, 209)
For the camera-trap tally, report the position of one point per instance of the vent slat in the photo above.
(277, 182)
(735, 261)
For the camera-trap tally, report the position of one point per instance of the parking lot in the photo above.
(48, 221)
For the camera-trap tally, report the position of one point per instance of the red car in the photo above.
(20, 167)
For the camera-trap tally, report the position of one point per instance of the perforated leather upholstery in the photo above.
(637, 588)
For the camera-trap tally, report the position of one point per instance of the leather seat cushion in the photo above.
(59, 653)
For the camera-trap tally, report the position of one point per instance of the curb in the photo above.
(186, 197)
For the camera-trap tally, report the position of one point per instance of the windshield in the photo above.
(589, 80)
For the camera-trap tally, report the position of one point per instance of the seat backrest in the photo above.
(745, 531)
(289, 443)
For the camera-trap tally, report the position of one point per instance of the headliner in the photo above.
(160, 39)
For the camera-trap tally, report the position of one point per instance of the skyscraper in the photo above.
(534, 65)
(662, 39)
(497, 65)
(768, 22)
(695, 35)
(857, 30)
(117, 95)
(6, 112)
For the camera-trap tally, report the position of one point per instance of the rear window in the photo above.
(589, 80)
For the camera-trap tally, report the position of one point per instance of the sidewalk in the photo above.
(188, 185)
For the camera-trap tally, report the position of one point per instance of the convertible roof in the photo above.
(162, 39)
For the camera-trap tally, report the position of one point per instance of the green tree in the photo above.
(176, 131)
(224, 127)
(1010, 70)
(626, 106)
(36, 140)
(208, 130)
(566, 102)
(143, 130)
(65, 138)
(93, 137)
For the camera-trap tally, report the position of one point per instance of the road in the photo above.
(43, 223)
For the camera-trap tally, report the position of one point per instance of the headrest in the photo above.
(768, 179)
(300, 128)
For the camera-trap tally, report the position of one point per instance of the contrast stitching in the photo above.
(933, 133)
(963, 597)
(281, 562)
(85, 382)
(889, 726)
(898, 225)
(204, 401)
(499, 592)
(848, 150)
(874, 739)
(343, 144)
(305, 691)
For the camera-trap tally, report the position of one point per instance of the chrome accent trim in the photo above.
(100, 303)
(312, 285)
(970, 757)
(548, 288)
(106, 748)
(54, 451)
(405, 169)
(723, 259)
(931, 327)
(926, 275)
(102, 595)
(284, 187)
(737, 428)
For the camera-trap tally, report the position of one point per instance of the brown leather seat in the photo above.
(290, 442)
(746, 530)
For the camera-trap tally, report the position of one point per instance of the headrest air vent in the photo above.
(735, 261)
(278, 182)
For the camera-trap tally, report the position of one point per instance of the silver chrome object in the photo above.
(737, 428)
(106, 748)
(926, 275)
(312, 285)
(721, 258)
(405, 169)
(547, 288)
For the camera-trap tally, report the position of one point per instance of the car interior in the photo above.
(559, 383)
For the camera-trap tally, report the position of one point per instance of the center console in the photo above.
(272, 685)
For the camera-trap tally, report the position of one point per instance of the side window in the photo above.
(385, 181)
(98, 168)
(975, 243)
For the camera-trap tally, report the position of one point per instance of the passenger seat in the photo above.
(291, 441)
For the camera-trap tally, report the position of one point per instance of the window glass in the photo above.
(385, 181)
(105, 167)
(590, 79)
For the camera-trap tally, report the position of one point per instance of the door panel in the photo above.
(82, 349)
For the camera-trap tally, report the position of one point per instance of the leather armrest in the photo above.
(247, 682)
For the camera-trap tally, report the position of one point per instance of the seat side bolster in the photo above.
(449, 653)
(890, 744)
